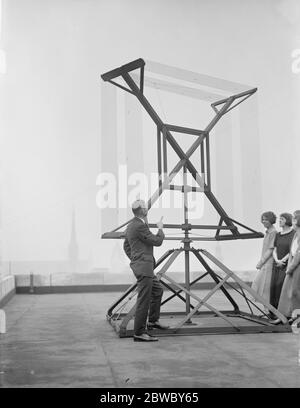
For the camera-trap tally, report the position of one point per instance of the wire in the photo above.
(122, 306)
(160, 102)
(191, 235)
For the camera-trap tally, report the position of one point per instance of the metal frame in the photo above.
(165, 139)
(226, 223)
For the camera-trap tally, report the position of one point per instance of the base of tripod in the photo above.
(244, 317)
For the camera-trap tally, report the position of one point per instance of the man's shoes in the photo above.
(156, 325)
(149, 334)
(144, 337)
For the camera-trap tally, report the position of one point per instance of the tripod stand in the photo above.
(232, 321)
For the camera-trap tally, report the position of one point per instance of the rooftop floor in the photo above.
(64, 340)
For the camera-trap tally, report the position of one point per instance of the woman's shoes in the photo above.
(277, 321)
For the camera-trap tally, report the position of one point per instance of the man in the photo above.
(138, 246)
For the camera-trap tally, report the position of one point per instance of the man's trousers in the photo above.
(149, 297)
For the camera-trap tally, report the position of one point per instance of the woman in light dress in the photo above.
(290, 293)
(282, 245)
(262, 281)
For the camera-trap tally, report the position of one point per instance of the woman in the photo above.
(282, 246)
(262, 281)
(290, 294)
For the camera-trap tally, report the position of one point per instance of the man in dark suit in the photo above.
(138, 246)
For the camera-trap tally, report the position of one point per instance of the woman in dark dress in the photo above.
(290, 293)
(282, 246)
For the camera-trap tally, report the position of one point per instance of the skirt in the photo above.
(285, 301)
(277, 279)
(262, 282)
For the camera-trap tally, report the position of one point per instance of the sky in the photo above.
(51, 112)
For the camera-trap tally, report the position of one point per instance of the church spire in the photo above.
(73, 246)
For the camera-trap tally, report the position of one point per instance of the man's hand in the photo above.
(160, 224)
